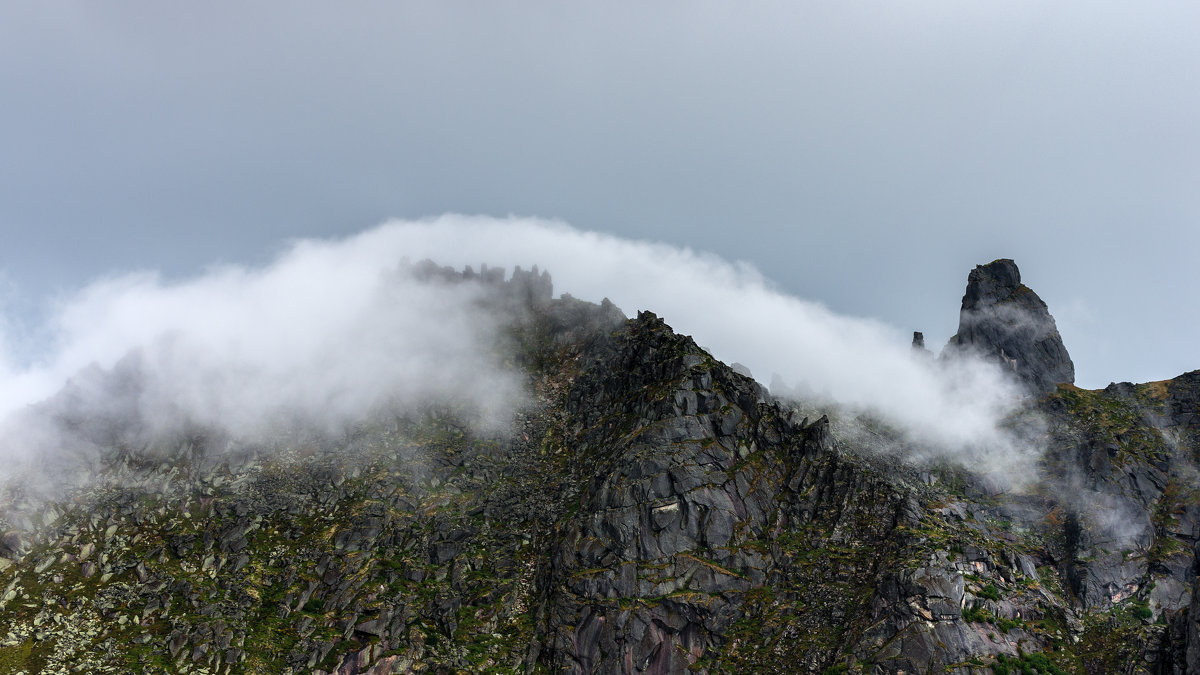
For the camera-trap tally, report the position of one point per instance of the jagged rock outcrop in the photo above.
(918, 346)
(524, 288)
(1124, 517)
(1004, 320)
(707, 516)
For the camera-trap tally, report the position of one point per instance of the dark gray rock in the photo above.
(695, 472)
(1192, 621)
(11, 544)
(1005, 321)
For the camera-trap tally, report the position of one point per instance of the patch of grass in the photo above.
(976, 615)
(1026, 664)
(1140, 610)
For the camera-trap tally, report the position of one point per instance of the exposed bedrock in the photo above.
(1004, 320)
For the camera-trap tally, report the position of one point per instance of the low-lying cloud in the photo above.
(331, 328)
(321, 336)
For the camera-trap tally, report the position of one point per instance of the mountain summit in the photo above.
(1004, 320)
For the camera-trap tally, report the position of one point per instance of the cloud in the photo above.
(325, 333)
(330, 328)
(740, 316)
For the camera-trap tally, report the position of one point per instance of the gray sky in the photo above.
(865, 155)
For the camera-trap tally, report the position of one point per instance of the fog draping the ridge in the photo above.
(321, 335)
(954, 409)
(330, 328)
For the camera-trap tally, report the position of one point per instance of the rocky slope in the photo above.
(648, 510)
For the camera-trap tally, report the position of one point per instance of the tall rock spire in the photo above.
(1004, 320)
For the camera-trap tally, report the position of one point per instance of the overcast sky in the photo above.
(864, 155)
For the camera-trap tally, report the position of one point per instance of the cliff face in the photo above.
(649, 510)
(1006, 321)
(702, 556)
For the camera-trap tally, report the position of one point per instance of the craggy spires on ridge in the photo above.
(1005, 320)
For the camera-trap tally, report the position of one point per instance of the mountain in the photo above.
(647, 509)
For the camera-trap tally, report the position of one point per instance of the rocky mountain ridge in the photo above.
(649, 510)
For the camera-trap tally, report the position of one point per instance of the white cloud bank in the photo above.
(329, 329)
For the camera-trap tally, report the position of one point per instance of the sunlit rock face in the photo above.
(1003, 319)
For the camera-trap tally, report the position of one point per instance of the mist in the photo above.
(320, 337)
(329, 329)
